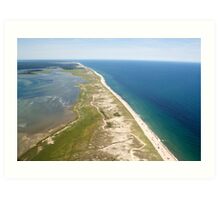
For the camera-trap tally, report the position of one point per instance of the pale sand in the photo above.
(159, 146)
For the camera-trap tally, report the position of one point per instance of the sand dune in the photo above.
(159, 146)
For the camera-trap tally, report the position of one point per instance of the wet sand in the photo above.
(155, 140)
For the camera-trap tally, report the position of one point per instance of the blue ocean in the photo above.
(167, 96)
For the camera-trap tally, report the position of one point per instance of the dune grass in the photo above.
(75, 138)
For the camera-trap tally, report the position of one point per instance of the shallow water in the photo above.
(45, 99)
(167, 96)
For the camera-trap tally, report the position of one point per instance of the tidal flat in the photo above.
(103, 129)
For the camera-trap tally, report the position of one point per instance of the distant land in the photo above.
(108, 110)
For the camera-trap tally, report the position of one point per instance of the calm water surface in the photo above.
(45, 99)
(165, 94)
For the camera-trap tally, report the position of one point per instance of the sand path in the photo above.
(159, 146)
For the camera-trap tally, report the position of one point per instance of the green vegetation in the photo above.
(104, 114)
(81, 139)
(76, 138)
(150, 153)
(117, 114)
(36, 71)
(108, 124)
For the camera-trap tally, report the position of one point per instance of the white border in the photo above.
(109, 29)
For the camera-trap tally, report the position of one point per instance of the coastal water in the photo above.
(45, 98)
(165, 94)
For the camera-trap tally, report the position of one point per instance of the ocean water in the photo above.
(45, 99)
(166, 95)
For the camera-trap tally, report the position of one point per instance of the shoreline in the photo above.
(120, 143)
(154, 139)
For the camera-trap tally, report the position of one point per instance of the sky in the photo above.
(164, 49)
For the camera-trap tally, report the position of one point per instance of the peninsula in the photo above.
(105, 128)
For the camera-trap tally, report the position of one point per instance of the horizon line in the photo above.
(70, 59)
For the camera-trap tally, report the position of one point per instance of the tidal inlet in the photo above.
(87, 100)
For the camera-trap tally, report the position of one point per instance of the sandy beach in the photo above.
(106, 128)
(155, 140)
